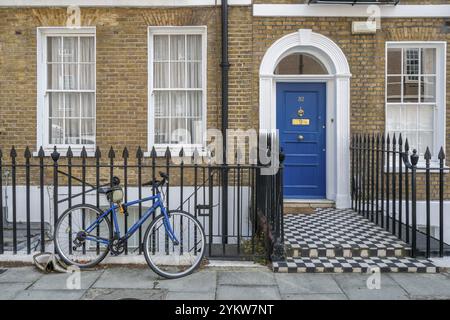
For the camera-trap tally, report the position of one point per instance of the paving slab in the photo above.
(314, 296)
(9, 290)
(128, 278)
(246, 278)
(21, 274)
(384, 293)
(124, 294)
(227, 292)
(306, 283)
(49, 295)
(186, 295)
(355, 280)
(203, 281)
(63, 281)
(437, 285)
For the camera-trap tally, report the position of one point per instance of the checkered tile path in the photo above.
(333, 240)
(333, 233)
(356, 265)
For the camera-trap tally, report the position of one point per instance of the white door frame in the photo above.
(338, 102)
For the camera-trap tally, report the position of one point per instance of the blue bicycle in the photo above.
(173, 244)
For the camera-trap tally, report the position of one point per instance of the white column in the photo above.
(343, 199)
(267, 111)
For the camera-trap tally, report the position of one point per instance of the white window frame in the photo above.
(439, 131)
(42, 109)
(175, 30)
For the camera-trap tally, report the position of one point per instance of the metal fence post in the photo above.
(55, 157)
(414, 161)
(441, 158)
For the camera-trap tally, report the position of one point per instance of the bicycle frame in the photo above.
(158, 203)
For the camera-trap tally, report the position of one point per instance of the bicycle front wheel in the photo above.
(171, 260)
(74, 245)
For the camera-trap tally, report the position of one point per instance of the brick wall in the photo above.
(121, 69)
(122, 66)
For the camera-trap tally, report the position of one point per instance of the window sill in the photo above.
(63, 152)
(175, 151)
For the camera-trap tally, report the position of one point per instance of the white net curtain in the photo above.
(178, 92)
(71, 89)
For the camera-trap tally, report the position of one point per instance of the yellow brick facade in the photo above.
(121, 35)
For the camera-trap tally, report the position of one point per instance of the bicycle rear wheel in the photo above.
(73, 244)
(172, 260)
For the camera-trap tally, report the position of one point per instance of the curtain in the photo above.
(71, 66)
(177, 67)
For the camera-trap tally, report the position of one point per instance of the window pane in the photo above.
(70, 76)
(162, 131)
(72, 105)
(56, 105)
(428, 61)
(411, 62)
(412, 139)
(70, 53)
(161, 75)
(194, 104)
(87, 49)
(300, 63)
(425, 140)
(88, 105)
(179, 132)
(56, 132)
(54, 49)
(72, 131)
(87, 131)
(177, 49)
(194, 47)
(178, 104)
(161, 103)
(428, 89)
(410, 117)
(426, 116)
(411, 89)
(394, 61)
(393, 89)
(177, 75)
(54, 76)
(161, 48)
(194, 76)
(195, 130)
(87, 77)
(393, 119)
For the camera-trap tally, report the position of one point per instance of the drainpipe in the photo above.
(225, 66)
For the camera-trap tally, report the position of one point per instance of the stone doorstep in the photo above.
(305, 206)
(361, 265)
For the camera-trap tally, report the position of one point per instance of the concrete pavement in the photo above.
(218, 283)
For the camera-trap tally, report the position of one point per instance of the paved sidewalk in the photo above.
(219, 283)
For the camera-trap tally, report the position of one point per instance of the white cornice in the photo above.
(304, 10)
(119, 3)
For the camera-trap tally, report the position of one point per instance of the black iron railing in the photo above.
(391, 188)
(35, 191)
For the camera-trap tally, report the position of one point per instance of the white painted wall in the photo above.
(245, 229)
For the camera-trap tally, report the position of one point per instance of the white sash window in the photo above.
(66, 88)
(415, 94)
(177, 82)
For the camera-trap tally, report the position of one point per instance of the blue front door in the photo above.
(301, 124)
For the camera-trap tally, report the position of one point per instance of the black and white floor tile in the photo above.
(333, 232)
(355, 265)
(333, 240)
